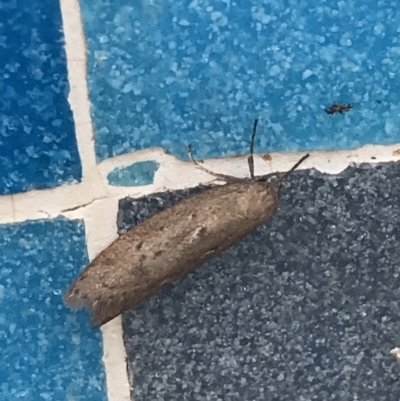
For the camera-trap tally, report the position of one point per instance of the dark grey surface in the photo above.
(305, 308)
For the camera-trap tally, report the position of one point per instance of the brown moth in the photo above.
(173, 242)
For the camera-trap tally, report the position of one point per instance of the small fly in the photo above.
(338, 108)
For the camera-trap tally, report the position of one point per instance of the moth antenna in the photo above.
(224, 177)
(285, 176)
(250, 159)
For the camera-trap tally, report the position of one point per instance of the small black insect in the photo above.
(338, 108)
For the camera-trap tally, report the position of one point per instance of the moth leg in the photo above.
(285, 176)
(223, 177)
(250, 159)
(295, 166)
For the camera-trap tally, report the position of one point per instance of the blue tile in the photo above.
(38, 147)
(47, 351)
(173, 72)
(141, 173)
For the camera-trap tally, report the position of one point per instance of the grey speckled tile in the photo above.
(305, 308)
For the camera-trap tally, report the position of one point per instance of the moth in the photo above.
(173, 242)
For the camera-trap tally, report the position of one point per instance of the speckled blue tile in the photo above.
(305, 308)
(166, 73)
(47, 352)
(38, 147)
(140, 173)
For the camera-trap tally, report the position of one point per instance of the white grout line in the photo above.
(94, 187)
(118, 387)
(7, 214)
(91, 188)
(75, 48)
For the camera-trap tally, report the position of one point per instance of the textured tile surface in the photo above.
(167, 72)
(140, 173)
(37, 139)
(47, 352)
(305, 308)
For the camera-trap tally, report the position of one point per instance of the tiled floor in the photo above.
(306, 307)
(34, 106)
(47, 352)
(199, 71)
